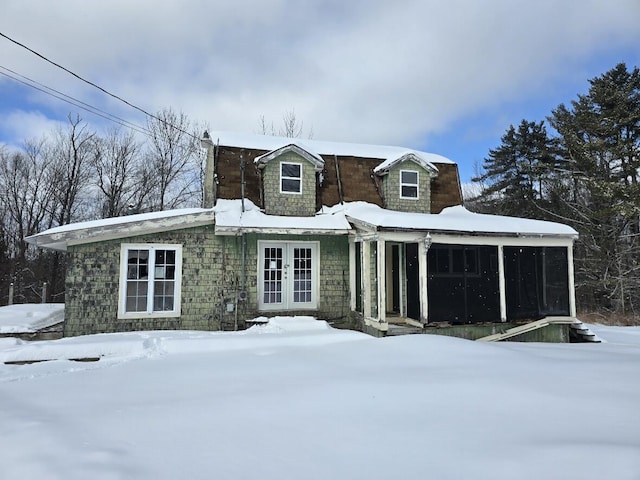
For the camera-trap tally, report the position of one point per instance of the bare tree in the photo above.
(72, 149)
(172, 160)
(291, 127)
(25, 194)
(115, 162)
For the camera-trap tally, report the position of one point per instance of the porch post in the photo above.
(382, 280)
(572, 285)
(352, 274)
(366, 279)
(423, 249)
(502, 284)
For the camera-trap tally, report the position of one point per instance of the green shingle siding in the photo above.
(391, 189)
(212, 277)
(293, 204)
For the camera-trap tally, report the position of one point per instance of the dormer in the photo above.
(289, 180)
(406, 183)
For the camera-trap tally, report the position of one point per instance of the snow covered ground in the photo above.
(295, 399)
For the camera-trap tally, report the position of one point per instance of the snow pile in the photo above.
(30, 317)
(229, 214)
(296, 399)
(278, 331)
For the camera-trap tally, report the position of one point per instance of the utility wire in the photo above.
(71, 100)
(95, 85)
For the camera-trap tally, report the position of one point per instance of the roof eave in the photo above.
(61, 240)
(233, 230)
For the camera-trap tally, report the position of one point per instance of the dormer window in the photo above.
(290, 177)
(408, 184)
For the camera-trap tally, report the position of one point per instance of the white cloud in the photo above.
(374, 71)
(19, 125)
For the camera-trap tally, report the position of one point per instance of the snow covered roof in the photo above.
(230, 220)
(385, 166)
(59, 238)
(452, 220)
(28, 318)
(316, 160)
(385, 153)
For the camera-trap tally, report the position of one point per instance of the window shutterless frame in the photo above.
(409, 181)
(150, 280)
(290, 177)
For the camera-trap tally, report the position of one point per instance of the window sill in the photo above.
(144, 315)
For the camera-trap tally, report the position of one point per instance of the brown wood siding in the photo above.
(355, 173)
(229, 173)
(445, 188)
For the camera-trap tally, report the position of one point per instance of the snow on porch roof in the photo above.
(231, 220)
(265, 142)
(58, 238)
(452, 219)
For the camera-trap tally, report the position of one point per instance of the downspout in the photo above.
(242, 294)
(374, 177)
(242, 165)
(335, 157)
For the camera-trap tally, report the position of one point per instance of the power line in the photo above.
(95, 85)
(71, 100)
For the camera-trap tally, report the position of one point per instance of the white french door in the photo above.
(288, 275)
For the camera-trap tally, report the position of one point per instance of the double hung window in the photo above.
(290, 177)
(150, 279)
(408, 184)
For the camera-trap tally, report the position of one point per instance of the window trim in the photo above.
(283, 177)
(287, 303)
(406, 184)
(122, 284)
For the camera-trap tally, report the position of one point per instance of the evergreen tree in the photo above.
(517, 172)
(600, 133)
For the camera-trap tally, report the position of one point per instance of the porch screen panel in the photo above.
(302, 275)
(137, 280)
(272, 275)
(555, 281)
(537, 282)
(463, 283)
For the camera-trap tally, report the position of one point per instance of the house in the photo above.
(361, 235)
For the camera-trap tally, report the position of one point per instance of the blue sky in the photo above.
(445, 77)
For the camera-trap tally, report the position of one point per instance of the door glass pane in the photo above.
(272, 275)
(302, 275)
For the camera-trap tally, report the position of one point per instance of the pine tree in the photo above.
(517, 172)
(600, 134)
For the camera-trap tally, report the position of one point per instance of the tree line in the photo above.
(584, 170)
(74, 174)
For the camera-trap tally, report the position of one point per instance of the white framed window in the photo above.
(290, 177)
(409, 184)
(288, 275)
(150, 280)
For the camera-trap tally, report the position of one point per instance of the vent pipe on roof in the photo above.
(208, 187)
